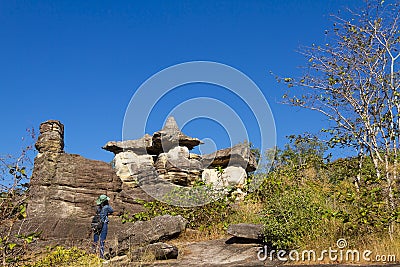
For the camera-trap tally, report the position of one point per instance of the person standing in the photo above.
(103, 209)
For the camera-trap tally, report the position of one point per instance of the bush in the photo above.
(290, 216)
(198, 217)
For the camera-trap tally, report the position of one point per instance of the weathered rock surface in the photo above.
(245, 230)
(235, 175)
(51, 137)
(63, 190)
(165, 157)
(129, 166)
(119, 261)
(159, 250)
(238, 155)
(67, 185)
(231, 176)
(171, 136)
(215, 253)
(146, 232)
(212, 253)
(140, 146)
(214, 177)
(176, 166)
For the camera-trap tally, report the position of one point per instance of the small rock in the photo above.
(160, 251)
(117, 261)
(246, 230)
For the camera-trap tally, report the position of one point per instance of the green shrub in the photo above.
(290, 216)
(198, 217)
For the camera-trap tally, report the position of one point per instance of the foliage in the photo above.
(63, 257)
(353, 80)
(289, 216)
(200, 217)
(305, 200)
(14, 175)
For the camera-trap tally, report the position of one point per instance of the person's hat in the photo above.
(101, 199)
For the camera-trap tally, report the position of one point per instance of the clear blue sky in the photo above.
(80, 62)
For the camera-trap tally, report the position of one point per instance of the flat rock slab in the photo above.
(246, 230)
(215, 253)
(159, 250)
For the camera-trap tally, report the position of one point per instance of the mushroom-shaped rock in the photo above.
(238, 155)
(139, 146)
(171, 136)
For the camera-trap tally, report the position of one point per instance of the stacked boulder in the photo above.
(229, 167)
(166, 156)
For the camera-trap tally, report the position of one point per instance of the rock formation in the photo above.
(62, 194)
(64, 187)
(166, 155)
(51, 138)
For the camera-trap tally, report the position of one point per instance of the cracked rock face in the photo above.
(147, 232)
(177, 167)
(64, 187)
(51, 137)
(171, 136)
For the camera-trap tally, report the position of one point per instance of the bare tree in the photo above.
(353, 79)
(14, 177)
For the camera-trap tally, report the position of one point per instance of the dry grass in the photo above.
(245, 212)
(383, 250)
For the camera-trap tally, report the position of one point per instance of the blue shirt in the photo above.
(104, 212)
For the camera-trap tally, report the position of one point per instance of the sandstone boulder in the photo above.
(235, 175)
(51, 137)
(214, 177)
(158, 251)
(140, 146)
(171, 136)
(146, 232)
(246, 230)
(128, 166)
(176, 166)
(218, 253)
(238, 155)
(63, 190)
(67, 185)
(231, 176)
